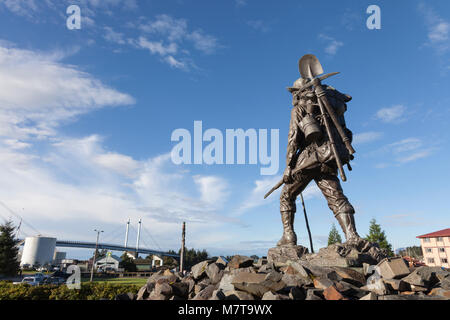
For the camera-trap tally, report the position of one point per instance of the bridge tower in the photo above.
(138, 237)
(126, 234)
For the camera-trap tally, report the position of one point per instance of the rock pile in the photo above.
(242, 278)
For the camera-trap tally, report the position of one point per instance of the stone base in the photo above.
(335, 255)
(347, 255)
(281, 255)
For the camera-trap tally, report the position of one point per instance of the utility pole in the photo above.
(138, 237)
(183, 234)
(95, 254)
(126, 234)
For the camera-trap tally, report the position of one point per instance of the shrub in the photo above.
(88, 291)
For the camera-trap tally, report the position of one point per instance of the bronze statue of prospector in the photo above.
(316, 149)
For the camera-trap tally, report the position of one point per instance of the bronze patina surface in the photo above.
(319, 144)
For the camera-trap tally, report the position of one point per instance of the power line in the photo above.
(18, 216)
(112, 234)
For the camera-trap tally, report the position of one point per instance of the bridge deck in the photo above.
(108, 246)
(114, 247)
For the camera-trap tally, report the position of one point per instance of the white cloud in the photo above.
(20, 7)
(438, 29)
(214, 190)
(439, 32)
(167, 52)
(333, 45)
(157, 47)
(404, 151)
(173, 29)
(203, 42)
(39, 92)
(119, 163)
(365, 137)
(408, 144)
(76, 185)
(32, 9)
(392, 114)
(256, 197)
(167, 36)
(415, 156)
(175, 63)
(176, 30)
(258, 25)
(112, 36)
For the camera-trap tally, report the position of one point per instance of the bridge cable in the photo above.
(18, 216)
(150, 235)
(112, 234)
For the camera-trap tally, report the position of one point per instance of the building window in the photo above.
(441, 249)
(444, 260)
(440, 239)
(426, 240)
(429, 250)
(430, 260)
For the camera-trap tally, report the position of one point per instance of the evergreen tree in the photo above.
(9, 264)
(169, 261)
(192, 257)
(334, 236)
(100, 254)
(127, 263)
(378, 236)
(414, 251)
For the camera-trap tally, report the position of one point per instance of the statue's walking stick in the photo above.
(307, 223)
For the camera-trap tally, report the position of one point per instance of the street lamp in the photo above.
(95, 254)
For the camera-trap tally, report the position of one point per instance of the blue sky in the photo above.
(86, 115)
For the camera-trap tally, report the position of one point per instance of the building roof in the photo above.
(110, 258)
(440, 233)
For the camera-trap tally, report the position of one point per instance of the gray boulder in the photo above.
(239, 261)
(199, 270)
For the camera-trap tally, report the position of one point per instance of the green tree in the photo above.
(9, 264)
(192, 257)
(334, 236)
(100, 254)
(127, 263)
(378, 236)
(414, 251)
(169, 261)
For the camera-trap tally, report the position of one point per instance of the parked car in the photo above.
(32, 281)
(40, 276)
(54, 280)
(60, 274)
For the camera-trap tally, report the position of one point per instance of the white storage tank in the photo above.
(38, 251)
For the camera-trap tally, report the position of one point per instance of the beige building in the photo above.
(436, 248)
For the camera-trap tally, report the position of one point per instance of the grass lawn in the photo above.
(136, 281)
(32, 273)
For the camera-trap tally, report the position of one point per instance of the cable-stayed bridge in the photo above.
(115, 234)
(112, 247)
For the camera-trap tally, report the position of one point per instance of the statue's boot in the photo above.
(347, 223)
(289, 237)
